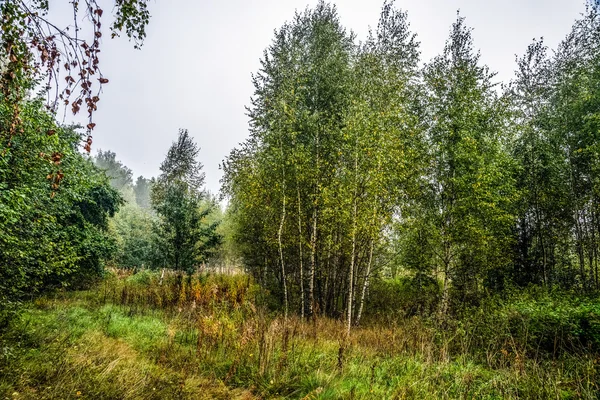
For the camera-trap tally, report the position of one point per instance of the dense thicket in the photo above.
(362, 164)
(55, 206)
(557, 116)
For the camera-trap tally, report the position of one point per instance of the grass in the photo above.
(134, 338)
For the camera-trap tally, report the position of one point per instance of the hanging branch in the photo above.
(38, 50)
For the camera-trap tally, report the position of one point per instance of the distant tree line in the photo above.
(363, 164)
(166, 221)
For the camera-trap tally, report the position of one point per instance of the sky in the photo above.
(194, 70)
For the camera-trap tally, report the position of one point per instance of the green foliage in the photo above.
(183, 220)
(360, 165)
(55, 207)
(557, 324)
(466, 215)
(54, 204)
(132, 229)
(144, 277)
(183, 237)
(392, 300)
(556, 114)
(132, 17)
(142, 189)
(132, 226)
(333, 141)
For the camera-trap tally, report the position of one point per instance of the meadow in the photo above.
(209, 336)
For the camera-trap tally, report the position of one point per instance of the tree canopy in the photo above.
(361, 165)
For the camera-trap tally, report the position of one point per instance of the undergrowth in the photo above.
(208, 336)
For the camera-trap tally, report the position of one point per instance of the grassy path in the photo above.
(68, 351)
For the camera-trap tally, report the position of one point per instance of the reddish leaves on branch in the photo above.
(36, 47)
(88, 144)
(55, 178)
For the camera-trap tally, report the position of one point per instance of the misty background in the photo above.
(194, 70)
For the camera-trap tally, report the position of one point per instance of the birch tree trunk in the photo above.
(279, 237)
(302, 294)
(313, 238)
(353, 257)
(365, 287)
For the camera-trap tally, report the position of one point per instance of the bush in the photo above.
(55, 207)
(143, 277)
(533, 325)
(392, 299)
(556, 324)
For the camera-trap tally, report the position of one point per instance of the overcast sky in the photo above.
(194, 69)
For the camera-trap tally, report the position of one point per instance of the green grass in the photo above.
(206, 338)
(68, 351)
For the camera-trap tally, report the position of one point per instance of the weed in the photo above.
(206, 336)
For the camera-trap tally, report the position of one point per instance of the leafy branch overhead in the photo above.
(64, 59)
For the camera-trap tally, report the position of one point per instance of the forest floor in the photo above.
(132, 338)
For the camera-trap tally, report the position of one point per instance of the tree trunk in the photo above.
(446, 287)
(351, 273)
(313, 258)
(542, 243)
(353, 257)
(445, 294)
(313, 238)
(283, 277)
(365, 284)
(302, 294)
(579, 246)
(325, 294)
(279, 237)
(596, 224)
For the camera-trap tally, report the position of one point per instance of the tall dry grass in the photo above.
(214, 331)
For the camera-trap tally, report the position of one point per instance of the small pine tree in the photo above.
(183, 237)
